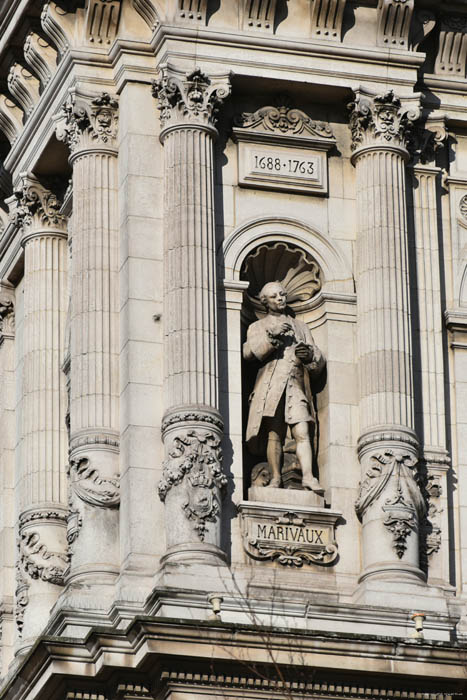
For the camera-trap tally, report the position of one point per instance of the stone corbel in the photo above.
(326, 19)
(394, 20)
(24, 87)
(11, 119)
(59, 25)
(102, 18)
(41, 57)
(192, 10)
(423, 23)
(452, 48)
(148, 11)
(88, 121)
(259, 15)
(189, 98)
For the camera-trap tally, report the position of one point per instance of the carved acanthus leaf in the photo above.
(21, 597)
(88, 121)
(194, 98)
(195, 457)
(326, 19)
(283, 119)
(394, 20)
(38, 561)
(90, 487)
(37, 207)
(381, 119)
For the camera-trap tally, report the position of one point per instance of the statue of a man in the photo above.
(282, 396)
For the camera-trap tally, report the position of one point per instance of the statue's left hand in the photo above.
(304, 353)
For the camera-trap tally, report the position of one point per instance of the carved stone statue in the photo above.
(282, 395)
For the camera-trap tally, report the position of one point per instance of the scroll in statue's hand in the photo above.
(304, 352)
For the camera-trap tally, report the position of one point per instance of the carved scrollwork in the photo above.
(21, 598)
(463, 207)
(193, 98)
(381, 119)
(284, 119)
(38, 561)
(195, 458)
(37, 207)
(90, 487)
(88, 121)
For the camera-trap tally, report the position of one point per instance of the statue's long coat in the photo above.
(281, 371)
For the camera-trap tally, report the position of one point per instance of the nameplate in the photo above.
(282, 168)
(305, 535)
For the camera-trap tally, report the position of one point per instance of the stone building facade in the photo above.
(161, 161)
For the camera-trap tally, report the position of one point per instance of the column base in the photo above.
(192, 554)
(403, 595)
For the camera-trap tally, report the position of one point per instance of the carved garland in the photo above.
(91, 488)
(406, 507)
(195, 458)
(38, 562)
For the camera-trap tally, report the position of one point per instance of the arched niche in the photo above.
(333, 300)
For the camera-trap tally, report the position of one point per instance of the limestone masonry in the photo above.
(233, 349)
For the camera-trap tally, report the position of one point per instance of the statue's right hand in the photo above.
(283, 329)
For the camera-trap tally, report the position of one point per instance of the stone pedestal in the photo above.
(390, 504)
(88, 124)
(192, 426)
(289, 527)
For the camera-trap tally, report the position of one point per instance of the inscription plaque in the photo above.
(292, 538)
(297, 169)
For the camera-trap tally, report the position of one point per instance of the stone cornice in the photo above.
(225, 643)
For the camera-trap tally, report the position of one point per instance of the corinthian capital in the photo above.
(192, 98)
(88, 122)
(382, 120)
(37, 208)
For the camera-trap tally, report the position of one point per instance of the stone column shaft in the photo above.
(192, 426)
(7, 474)
(190, 292)
(431, 379)
(42, 547)
(390, 503)
(88, 124)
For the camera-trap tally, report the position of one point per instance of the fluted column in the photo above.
(430, 378)
(192, 425)
(88, 123)
(42, 547)
(7, 474)
(390, 503)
